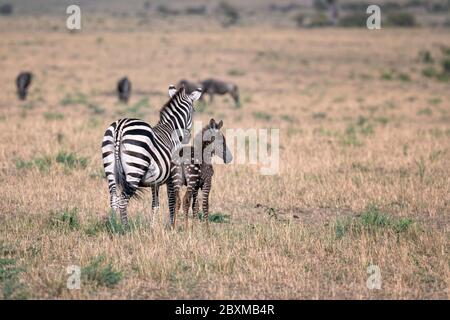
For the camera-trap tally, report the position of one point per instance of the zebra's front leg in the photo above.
(171, 198)
(123, 205)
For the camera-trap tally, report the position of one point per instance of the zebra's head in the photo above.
(214, 142)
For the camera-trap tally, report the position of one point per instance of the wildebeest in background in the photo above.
(23, 81)
(124, 89)
(189, 86)
(213, 86)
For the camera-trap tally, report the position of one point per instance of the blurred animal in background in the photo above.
(23, 82)
(196, 171)
(124, 89)
(189, 86)
(213, 86)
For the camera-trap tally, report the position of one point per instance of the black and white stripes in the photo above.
(136, 155)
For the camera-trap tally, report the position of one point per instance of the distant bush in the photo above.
(358, 6)
(229, 14)
(284, 8)
(320, 5)
(391, 5)
(416, 3)
(446, 22)
(199, 10)
(6, 9)
(353, 20)
(446, 66)
(354, 6)
(439, 71)
(316, 21)
(165, 10)
(401, 19)
(426, 57)
(300, 20)
(438, 7)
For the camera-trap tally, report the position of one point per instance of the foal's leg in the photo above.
(187, 204)
(205, 200)
(195, 203)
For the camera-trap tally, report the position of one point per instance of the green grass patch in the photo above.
(70, 160)
(236, 73)
(53, 116)
(113, 226)
(215, 217)
(262, 115)
(74, 99)
(371, 220)
(12, 287)
(425, 112)
(101, 272)
(66, 219)
(43, 164)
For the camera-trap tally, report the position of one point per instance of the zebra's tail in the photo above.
(123, 186)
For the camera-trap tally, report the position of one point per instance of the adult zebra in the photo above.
(136, 155)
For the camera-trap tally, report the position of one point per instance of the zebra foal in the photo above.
(137, 155)
(196, 172)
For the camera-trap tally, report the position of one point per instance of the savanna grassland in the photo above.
(364, 121)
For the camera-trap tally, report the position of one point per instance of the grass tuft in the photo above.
(66, 219)
(371, 220)
(70, 160)
(102, 273)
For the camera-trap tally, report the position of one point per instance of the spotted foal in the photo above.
(195, 170)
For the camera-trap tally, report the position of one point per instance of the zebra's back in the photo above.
(133, 155)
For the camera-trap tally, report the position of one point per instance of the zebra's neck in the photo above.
(173, 120)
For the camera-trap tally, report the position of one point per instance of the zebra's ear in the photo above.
(195, 95)
(212, 123)
(220, 124)
(172, 90)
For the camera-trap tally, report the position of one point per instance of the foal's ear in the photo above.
(212, 123)
(172, 90)
(220, 124)
(196, 94)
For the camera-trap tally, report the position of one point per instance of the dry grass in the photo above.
(349, 140)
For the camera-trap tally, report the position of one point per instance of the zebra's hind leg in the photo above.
(113, 199)
(155, 203)
(123, 205)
